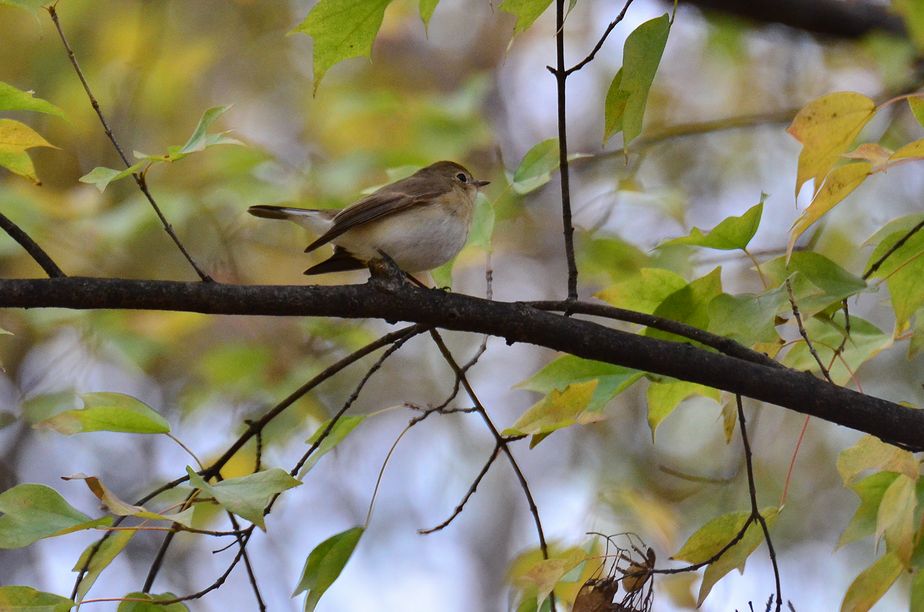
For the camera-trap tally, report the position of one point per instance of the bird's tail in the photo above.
(318, 221)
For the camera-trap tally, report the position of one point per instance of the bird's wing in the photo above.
(376, 205)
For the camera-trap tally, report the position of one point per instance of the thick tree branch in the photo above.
(835, 18)
(516, 322)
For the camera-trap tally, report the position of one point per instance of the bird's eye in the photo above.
(462, 178)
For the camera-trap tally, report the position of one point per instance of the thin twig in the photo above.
(251, 575)
(31, 247)
(899, 244)
(606, 33)
(752, 489)
(139, 178)
(468, 494)
(499, 440)
(561, 76)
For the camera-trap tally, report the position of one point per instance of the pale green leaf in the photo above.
(865, 342)
(338, 432)
(871, 453)
(108, 412)
(870, 491)
(749, 319)
(817, 281)
(872, 584)
(249, 495)
(324, 565)
(537, 166)
(33, 511)
(16, 99)
(33, 6)
(97, 556)
(628, 93)
(27, 599)
(341, 29)
(526, 12)
(100, 176)
(903, 269)
(732, 233)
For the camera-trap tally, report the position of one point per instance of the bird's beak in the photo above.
(481, 184)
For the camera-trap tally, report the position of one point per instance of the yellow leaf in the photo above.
(557, 410)
(826, 127)
(872, 583)
(910, 150)
(15, 138)
(837, 186)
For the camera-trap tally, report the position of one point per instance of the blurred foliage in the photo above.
(448, 80)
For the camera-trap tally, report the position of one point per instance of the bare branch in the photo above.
(32, 248)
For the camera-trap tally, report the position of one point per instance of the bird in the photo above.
(419, 222)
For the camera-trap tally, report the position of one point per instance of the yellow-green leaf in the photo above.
(872, 584)
(664, 397)
(27, 599)
(568, 369)
(537, 577)
(557, 410)
(870, 491)
(537, 166)
(341, 29)
(97, 556)
(108, 412)
(826, 127)
(903, 270)
(871, 453)
(338, 432)
(15, 139)
(916, 104)
(122, 508)
(151, 604)
(912, 150)
(426, 10)
(627, 96)
(837, 186)
(12, 98)
(895, 518)
(715, 535)
(689, 304)
(643, 292)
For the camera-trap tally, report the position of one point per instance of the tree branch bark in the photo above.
(516, 322)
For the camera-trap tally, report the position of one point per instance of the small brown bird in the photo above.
(421, 222)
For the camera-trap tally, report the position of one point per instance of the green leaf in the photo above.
(715, 535)
(903, 270)
(536, 168)
(33, 6)
(749, 319)
(426, 10)
(340, 430)
(643, 292)
(819, 283)
(690, 304)
(870, 491)
(100, 176)
(664, 397)
(732, 233)
(482, 228)
(557, 410)
(872, 584)
(912, 13)
(526, 12)
(201, 139)
(341, 29)
(15, 139)
(246, 496)
(324, 565)
(917, 592)
(27, 599)
(16, 99)
(142, 606)
(628, 93)
(871, 453)
(33, 511)
(97, 556)
(44, 406)
(865, 342)
(108, 412)
(568, 369)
